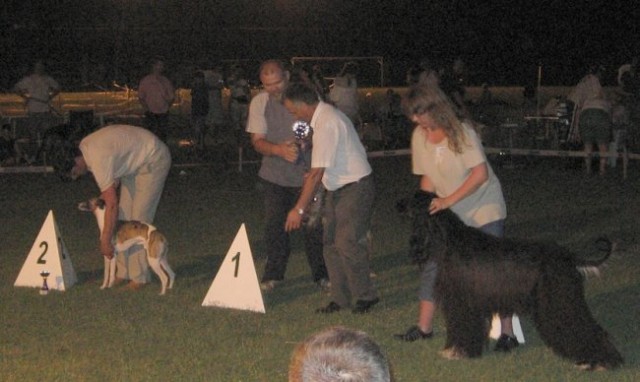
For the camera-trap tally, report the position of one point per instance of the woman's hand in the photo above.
(438, 204)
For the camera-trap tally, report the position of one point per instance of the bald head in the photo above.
(274, 77)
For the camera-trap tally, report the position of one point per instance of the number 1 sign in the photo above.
(48, 254)
(236, 284)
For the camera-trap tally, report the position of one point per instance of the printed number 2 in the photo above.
(41, 259)
(236, 258)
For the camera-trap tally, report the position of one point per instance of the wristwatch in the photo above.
(300, 211)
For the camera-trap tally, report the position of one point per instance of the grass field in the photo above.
(86, 334)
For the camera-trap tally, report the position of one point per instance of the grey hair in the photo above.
(339, 354)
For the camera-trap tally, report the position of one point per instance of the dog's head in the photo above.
(429, 236)
(91, 205)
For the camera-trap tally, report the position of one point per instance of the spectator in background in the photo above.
(37, 89)
(214, 79)
(300, 73)
(239, 97)
(339, 164)
(452, 82)
(281, 174)
(628, 78)
(429, 74)
(156, 95)
(9, 150)
(317, 78)
(339, 354)
(620, 126)
(344, 93)
(413, 75)
(592, 116)
(629, 89)
(199, 109)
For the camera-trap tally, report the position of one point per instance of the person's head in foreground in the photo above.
(339, 354)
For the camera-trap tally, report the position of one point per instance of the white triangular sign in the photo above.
(236, 284)
(48, 254)
(496, 326)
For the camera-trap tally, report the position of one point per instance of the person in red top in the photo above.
(156, 95)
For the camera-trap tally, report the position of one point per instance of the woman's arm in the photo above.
(479, 174)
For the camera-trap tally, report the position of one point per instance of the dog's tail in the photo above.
(592, 267)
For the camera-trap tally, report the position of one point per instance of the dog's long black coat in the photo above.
(479, 274)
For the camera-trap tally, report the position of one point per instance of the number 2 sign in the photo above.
(48, 254)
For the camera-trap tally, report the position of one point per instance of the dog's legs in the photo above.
(154, 263)
(164, 262)
(465, 317)
(112, 269)
(162, 249)
(157, 258)
(105, 282)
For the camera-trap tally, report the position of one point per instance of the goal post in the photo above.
(370, 68)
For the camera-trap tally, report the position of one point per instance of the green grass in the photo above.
(86, 334)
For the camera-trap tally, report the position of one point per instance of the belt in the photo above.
(352, 183)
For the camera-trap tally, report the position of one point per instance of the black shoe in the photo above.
(413, 334)
(363, 306)
(331, 308)
(506, 343)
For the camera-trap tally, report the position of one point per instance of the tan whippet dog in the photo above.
(128, 234)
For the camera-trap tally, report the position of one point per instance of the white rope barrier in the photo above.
(392, 153)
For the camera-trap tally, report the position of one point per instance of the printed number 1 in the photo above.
(41, 259)
(236, 258)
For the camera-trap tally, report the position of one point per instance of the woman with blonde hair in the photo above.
(448, 156)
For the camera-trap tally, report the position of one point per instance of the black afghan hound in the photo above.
(479, 275)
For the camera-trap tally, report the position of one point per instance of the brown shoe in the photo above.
(118, 281)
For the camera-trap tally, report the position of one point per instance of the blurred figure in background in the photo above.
(199, 110)
(317, 78)
(214, 79)
(9, 150)
(37, 89)
(592, 116)
(156, 95)
(240, 95)
(344, 92)
(452, 82)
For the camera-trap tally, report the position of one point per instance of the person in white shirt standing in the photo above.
(339, 162)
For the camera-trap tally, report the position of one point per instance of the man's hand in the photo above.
(106, 249)
(294, 221)
(288, 150)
